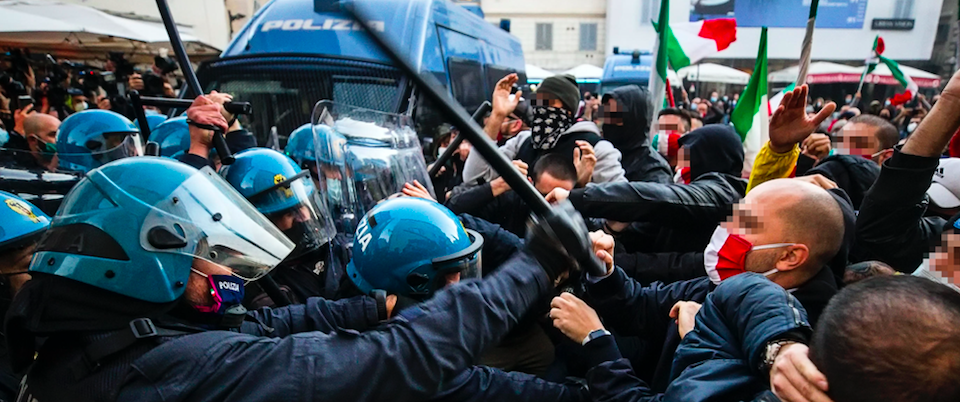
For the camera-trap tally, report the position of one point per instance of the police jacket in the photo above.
(891, 226)
(721, 358)
(686, 213)
(289, 357)
(507, 209)
(631, 309)
(639, 161)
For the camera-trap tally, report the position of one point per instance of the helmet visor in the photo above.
(227, 230)
(114, 146)
(297, 212)
(467, 262)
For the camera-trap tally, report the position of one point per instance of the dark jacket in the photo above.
(289, 357)
(686, 213)
(507, 209)
(720, 359)
(640, 162)
(631, 309)
(891, 226)
(853, 174)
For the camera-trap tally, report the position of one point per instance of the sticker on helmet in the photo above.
(286, 190)
(22, 208)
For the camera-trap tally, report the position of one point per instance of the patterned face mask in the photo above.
(548, 123)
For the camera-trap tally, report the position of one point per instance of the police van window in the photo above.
(284, 91)
(465, 77)
(496, 73)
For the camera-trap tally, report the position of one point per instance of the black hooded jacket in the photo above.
(853, 174)
(687, 214)
(640, 162)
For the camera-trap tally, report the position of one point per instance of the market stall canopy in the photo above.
(586, 73)
(709, 72)
(535, 74)
(74, 31)
(823, 72)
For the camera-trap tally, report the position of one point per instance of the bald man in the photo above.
(36, 147)
(786, 230)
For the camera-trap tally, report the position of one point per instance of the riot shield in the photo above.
(364, 156)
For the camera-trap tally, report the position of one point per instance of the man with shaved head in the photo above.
(35, 148)
(786, 230)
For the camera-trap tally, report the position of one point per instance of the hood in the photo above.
(637, 114)
(714, 148)
(854, 174)
(581, 127)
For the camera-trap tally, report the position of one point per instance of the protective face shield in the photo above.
(93, 138)
(286, 195)
(228, 230)
(370, 153)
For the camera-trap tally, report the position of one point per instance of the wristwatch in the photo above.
(773, 349)
(594, 335)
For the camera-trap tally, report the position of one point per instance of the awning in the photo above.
(823, 72)
(709, 72)
(536, 74)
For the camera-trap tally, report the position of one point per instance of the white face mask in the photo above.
(912, 127)
(441, 150)
(80, 106)
(678, 178)
(726, 255)
(334, 191)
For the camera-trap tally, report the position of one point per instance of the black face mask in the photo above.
(621, 136)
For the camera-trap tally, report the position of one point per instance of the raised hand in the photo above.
(790, 125)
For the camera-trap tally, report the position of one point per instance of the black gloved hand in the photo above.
(561, 243)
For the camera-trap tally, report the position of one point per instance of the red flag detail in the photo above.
(723, 31)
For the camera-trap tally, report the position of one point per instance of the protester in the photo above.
(36, 147)
(553, 130)
(626, 124)
(672, 124)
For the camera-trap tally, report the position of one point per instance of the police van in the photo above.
(293, 53)
(625, 69)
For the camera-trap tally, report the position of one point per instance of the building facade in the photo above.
(555, 34)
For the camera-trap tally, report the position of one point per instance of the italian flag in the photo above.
(751, 115)
(658, 77)
(688, 43)
(903, 79)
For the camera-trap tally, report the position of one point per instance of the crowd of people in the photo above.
(828, 271)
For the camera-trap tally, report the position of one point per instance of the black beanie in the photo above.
(564, 87)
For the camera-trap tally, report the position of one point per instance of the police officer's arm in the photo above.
(481, 384)
(317, 314)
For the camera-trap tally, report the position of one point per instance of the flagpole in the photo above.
(807, 44)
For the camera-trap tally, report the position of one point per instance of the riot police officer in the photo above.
(92, 138)
(149, 255)
(286, 195)
(21, 225)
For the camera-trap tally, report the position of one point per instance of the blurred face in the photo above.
(714, 96)
(757, 219)
(858, 139)
(702, 109)
(544, 99)
(671, 122)
(511, 126)
(612, 113)
(547, 183)
(683, 158)
(946, 260)
(285, 220)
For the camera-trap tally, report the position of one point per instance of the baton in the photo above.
(524, 189)
(189, 75)
(484, 108)
(141, 114)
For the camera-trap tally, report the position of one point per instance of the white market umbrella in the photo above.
(882, 75)
(536, 74)
(585, 72)
(53, 26)
(709, 72)
(820, 72)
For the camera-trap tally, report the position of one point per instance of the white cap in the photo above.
(944, 192)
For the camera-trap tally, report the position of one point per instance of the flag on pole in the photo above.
(658, 77)
(751, 115)
(688, 43)
(807, 43)
(898, 74)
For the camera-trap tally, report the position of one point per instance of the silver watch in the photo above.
(773, 349)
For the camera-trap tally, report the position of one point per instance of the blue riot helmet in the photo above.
(135, 226)
(410, 247)
(173, 136)
(285, 194)
(92, 138)
(154, 119)
(21, 223)
(300, 146)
